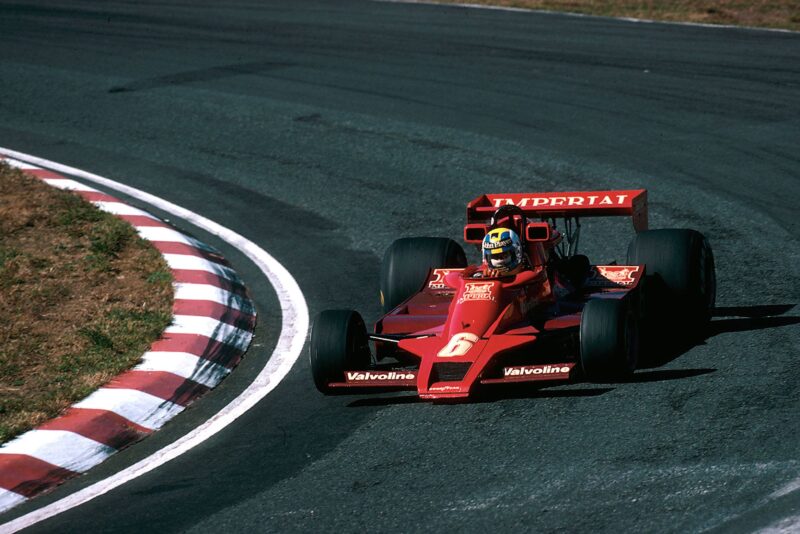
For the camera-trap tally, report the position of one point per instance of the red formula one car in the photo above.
(449, 329)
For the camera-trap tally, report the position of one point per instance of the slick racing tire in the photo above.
(339, 343)
(407, 262)
(681, 281)
(609, 339)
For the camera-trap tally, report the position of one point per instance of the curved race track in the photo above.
(323, 130)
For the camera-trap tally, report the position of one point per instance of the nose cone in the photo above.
(448, 380)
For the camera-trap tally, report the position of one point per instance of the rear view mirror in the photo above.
(537, 231)
(474, 233)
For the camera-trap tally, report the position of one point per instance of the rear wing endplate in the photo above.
(632, 203)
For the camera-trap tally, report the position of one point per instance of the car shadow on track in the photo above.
(526, 391)
(659, 375)
(723, 320)
(507, 391)
(385, 400)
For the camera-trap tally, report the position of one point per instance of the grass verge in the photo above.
(81, 299)
(784, 14)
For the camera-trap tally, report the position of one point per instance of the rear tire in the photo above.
(681, 280)
(407, 262)
(339, 343)
(609, 339)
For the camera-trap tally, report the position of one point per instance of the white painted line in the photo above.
(185, 291)
(211, 328)
(120, 208)
(294, 327)
(9, 499)
(196, 263)
(786, 489)
(581, 15)
(790, 525)
(183, 364)
(473, 6)
(21, 164)
(159, 233)
(142, 408)
(69, 185)
(61, 448)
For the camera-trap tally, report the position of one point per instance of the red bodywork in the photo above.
(463, 331)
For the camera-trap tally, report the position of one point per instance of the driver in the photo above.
(502, 253)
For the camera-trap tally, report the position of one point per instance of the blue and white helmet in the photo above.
(502, 250)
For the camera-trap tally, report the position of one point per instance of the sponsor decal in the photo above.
(545, 371)
(379, 376)
(613, 275)
(497, 244)
(437, 279)
(459, 345)
(477, 291)
(444, 388)
(551, 202)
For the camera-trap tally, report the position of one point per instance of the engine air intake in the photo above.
(450, 371)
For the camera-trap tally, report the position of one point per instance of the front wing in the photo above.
(407, 379)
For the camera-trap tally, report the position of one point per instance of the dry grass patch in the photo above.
(81, 299)
(773, 14)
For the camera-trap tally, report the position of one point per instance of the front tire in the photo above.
(407, 262)
(339, 343)
(609, 339)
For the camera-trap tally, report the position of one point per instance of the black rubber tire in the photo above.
(609, 339)
(407, 262)
(681, 278)
(338, 343)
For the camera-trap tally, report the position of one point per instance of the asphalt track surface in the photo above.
(323, 130)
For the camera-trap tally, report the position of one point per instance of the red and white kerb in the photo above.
(212, 326)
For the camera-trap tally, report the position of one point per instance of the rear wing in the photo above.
(632, 203)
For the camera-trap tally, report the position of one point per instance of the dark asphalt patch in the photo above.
(202, 75)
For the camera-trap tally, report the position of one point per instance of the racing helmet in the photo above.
(502, 250)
